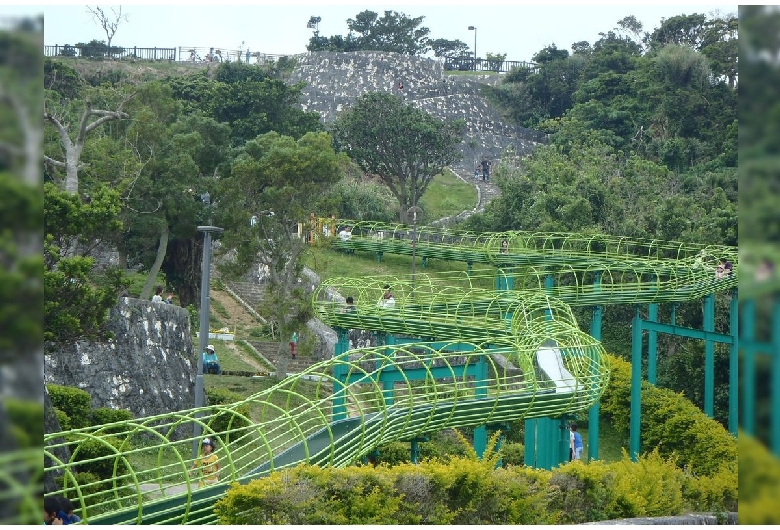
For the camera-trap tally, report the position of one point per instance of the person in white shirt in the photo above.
(388, 300)
(346, 233)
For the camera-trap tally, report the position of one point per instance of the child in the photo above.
(208, 464)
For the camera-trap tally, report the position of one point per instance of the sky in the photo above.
(519, 30)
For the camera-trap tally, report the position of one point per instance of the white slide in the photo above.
(551, 363)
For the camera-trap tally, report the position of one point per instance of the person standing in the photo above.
(207, 465)
(388, 300)
(157, 294)
(293, 343)
(575, 442)
(486, 169)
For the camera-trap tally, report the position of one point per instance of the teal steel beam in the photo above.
(636, 385)
(690, 333)
(734, 364)
(652, 344)
(594, 412)
(747, 343)
(709, 356)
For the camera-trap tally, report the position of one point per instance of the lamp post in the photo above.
(415, 212)
(205, 276)
(474, 28)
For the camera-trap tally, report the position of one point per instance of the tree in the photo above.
(404, 146)
(449, 48)
(393, 32)
(278, 180)
(77, 298)
(110, 24)
(89, 120)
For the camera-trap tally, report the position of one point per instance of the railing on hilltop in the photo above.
(194, 54)
(469, 64)
(184, 54)
(101, 51)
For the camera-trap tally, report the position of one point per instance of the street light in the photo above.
(474, 28)
(204, 318)
(416, 212)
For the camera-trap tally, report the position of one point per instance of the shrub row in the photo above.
(471, 491)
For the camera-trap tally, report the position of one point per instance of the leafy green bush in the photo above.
(63, 419)
(670, 423)
(74, 402)
(26, 420)
(104, 415)
(101, 456)
(225, 421)
(759, 483)
(513, 454)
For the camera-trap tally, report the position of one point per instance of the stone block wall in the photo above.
(333, 80)
(148, 368)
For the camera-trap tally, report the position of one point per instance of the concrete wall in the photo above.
(148, 368)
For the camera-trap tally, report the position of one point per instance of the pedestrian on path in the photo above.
(293, 343)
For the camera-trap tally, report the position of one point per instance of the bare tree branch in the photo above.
(110, 25)
(53, 162)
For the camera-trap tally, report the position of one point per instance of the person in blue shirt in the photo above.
(53, 512)
(575, 442)
(210, 361)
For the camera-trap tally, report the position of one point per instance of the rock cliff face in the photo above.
(333, 80)
(148, 368)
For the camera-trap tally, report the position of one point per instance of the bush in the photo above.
(101, 456)
(105, 415)
(63, 419)
(26, 420)
(227, 420)
(74, 402)
(513, 454)
(670, 423)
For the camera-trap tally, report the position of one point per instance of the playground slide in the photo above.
(338, 444)
(551, 362)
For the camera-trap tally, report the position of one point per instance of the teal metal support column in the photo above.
(709, 357)
(414, 451)
(636, 384)
(531, 442)
(734, 364)
(480, 390)
(594, 411)
(652, 344)
(748, 332)
(562, 444)
(775, 378)
(340, 374)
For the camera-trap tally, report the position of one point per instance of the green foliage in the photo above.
(404, 146)
(759, 482)
(26, 419)
(105, 415)
(671, 424)
(63, 419)
(513, 454)
(74, 402)
(21, 291)
(473, 491)
(76, 298)
(392, 32)
(226, 421)
(101, 457)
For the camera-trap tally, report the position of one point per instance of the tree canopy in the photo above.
(404, 146)
(392, 32)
